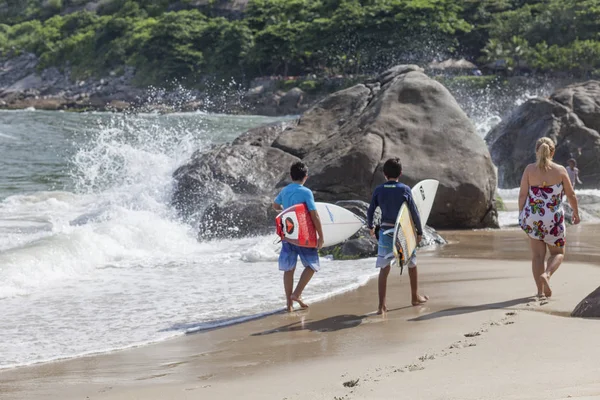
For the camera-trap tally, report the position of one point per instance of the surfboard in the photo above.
(405, 235)
(294, 224)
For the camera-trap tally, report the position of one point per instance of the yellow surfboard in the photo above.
(405, 234)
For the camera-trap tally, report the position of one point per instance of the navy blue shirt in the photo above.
(389, 197)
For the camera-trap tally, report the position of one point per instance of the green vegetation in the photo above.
(500, 206)
(174, 41)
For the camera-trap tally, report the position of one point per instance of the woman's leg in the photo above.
(557, 254)
(538, 256)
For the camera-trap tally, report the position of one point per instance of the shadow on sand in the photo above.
(330, 324)
(471, 309)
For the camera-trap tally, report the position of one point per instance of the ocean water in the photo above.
(94, 259)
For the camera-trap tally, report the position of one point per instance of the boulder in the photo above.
(291, 101)
(228, 190)
(570, 117)
(589, 307)
(415, 118)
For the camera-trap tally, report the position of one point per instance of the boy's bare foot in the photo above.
(381, 310)
(299, 301)
(546, 279)
(418, 300)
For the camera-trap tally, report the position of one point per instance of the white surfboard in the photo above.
(338, 223)
(405, 235)
(295, 224)
(423, 194)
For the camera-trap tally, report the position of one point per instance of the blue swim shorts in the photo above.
(289, 257)
(385, 252)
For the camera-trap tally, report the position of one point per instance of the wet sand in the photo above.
(479, 331)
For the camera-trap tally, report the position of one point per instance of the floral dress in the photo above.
(543, 217)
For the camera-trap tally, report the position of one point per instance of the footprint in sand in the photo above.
(415, 367)
(426, 357)
(472, 334)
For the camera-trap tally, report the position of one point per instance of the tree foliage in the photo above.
(167, 40)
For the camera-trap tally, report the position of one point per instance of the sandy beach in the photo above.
(481, 336)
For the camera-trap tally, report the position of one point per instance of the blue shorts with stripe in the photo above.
(290, 253)
(385, 252)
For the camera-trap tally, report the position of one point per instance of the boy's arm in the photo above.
(317, 223)
(371, 210)
(316, 219)
(415, 214)
(277, 203)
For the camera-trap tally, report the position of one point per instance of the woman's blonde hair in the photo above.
(544, 150)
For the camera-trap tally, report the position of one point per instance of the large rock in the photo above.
(415, 118)
(589, 307)
(345, 139)
(228, 190)
(571, 117)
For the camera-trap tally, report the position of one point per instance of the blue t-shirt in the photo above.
(389, 197)
(294, 194)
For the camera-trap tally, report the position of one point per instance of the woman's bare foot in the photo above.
(289, 307)
(299, 301)
(546, 279)
(540, 296)
(381, 310)
(418, 300)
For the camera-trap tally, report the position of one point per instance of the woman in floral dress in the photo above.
(541, 214)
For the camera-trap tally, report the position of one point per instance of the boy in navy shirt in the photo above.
(389, 197)
(292, 194)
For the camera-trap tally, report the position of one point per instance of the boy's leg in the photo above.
(384, 255)
(383, 275)
(287, 263)
(307, 274)
(416, 298)
(310, 260)
(288, 284)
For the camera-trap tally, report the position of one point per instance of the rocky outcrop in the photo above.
(571, 117)
(345, 139)
(22, 86)
(413, 117)
(589, 307)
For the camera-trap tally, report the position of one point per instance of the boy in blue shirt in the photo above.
(292, 194)
(389, 197)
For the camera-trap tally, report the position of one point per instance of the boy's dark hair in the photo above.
(392, 168)
(298, 171)
(573, 161)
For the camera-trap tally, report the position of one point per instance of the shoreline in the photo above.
(326, 333)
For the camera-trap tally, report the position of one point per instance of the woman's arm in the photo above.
(571, 197)
(524, 189)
